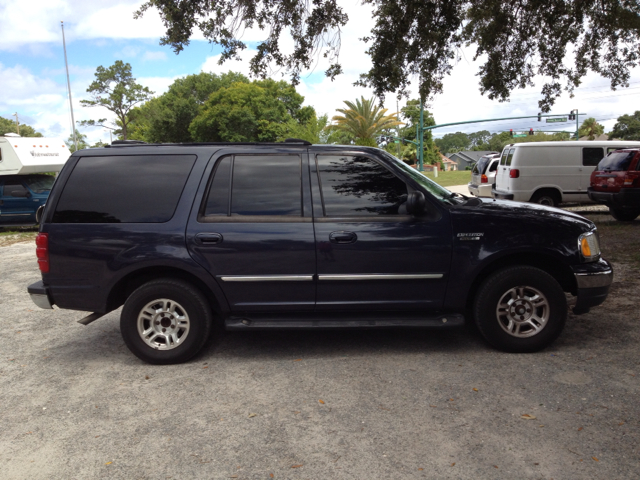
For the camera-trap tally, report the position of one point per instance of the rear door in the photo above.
(253, 230)
(502, 175)
(371, 253)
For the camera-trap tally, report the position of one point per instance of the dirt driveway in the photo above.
(321, 405)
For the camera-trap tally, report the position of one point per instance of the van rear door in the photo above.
(502, 175)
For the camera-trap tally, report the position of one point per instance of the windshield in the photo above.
(432, 187)
(616, 161)
(40, 183)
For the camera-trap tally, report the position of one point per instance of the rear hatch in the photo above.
(479, 170)
(613, 172)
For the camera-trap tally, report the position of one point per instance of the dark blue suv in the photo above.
(292, 235)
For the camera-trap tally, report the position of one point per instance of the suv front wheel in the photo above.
(166, 321)
(520, 309)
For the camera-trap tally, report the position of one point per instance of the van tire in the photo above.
(520, 309)
(623, 214)
(166, 321)
(550, 198)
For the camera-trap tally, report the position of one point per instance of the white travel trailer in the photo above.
(25, 155)
(550, 173)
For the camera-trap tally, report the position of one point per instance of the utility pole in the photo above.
(397, 129)
(17, 122)
(73, 121)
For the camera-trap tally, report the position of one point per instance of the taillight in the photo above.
(483, 178)
(631, 178)
(42, 251)
(514, 173)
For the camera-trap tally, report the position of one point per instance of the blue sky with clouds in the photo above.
(33, 81)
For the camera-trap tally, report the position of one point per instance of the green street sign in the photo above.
(556, 120)
(396, 141)
(518, 135)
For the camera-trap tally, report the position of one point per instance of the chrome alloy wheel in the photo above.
(163, 324)
(523, 311)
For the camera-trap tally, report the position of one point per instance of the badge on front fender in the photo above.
(470, 236)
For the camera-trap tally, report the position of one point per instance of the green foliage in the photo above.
(116, 90)
(9, 126)
(453, 142)
(590, 128)
(261, 111)
(627, 127)
(363, 121)
(515, 40)
(166, 119)
(82, 142)
(411, 114)
(315, 130)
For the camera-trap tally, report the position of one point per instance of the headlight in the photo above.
(589, 246)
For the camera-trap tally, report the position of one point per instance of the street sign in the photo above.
(556, 120)
(518, 135)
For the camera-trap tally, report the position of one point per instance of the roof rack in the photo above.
(132, 143)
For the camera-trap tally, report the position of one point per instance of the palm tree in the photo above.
(591, 128)
(363, 120)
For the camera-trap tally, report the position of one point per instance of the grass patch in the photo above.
(619, 241)
(11, 235)
(447, 179)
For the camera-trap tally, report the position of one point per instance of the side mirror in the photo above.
(20, 194)
(416, 203)
(39, 213)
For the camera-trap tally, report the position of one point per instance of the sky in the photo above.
(33, 80)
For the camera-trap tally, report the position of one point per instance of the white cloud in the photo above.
(154, 56)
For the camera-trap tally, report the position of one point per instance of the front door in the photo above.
(16, 206)
(254, 231)
(372, 254)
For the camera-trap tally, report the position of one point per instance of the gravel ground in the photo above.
(360, 404)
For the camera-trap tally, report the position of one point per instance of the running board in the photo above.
(343, 320)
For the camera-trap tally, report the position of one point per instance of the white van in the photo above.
(24, 155)
(550, 172)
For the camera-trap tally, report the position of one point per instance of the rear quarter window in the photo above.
(124, 189)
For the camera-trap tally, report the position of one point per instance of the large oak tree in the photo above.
(515, 40)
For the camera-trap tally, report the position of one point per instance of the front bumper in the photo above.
(626, 197)
(593, 281)
(40, 295)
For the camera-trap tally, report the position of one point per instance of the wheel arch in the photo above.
(130, 282)
(559, 270)
(554, 191)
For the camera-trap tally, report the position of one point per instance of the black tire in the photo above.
(550, 198)
(533, 295)
(176, 315)
(624, 215)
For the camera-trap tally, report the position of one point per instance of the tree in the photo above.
(9, 126)
(315, 130)
(116, 90)
(166, 119)
(82, 142)
(363, 121)
(479, 138)
(411, 113)
(590, 128)
(560, 39)
(627, 127)
(453, 142)
(260, 111)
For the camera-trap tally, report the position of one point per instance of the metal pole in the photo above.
(397, 129)
(577, 126)
(421, 139)
(17, 123)
(66, 63)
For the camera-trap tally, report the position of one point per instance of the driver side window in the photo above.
(359, 186)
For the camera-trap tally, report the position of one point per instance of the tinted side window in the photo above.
(510, 156)
(218, 198)
(357, 186)
(127, 189)
(494, 166)
(266, 185)
(591, 156)
(12, 185)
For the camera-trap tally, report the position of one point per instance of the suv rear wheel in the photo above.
(520, 309)
(166, 321)
(624, 215)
